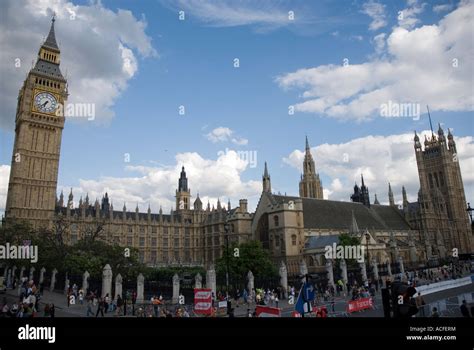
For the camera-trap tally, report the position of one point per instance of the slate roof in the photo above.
(327, 214)
(314, 242)
(48, 69)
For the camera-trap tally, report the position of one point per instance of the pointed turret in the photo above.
(266, 182)
(310, 185)
(376, 201)
(390, 195)
(198, 203)
(354, 228)
(404, 195)
(61, 200)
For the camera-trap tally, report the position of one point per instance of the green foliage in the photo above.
(348, 240)
(89, 254)
(251, 257)
(167, 273)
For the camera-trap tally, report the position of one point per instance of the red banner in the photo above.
(203, 301)
(266, 311)
(359, 304)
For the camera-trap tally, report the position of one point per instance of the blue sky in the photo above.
(283, 63)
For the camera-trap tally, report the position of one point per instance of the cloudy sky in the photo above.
(222, 87)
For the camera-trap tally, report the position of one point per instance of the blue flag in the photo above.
(305, 297)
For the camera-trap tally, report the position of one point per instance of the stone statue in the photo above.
(283, 280)
(198, 281)
(53, 280)
(107, 281)
(118, 286)
(85, 281)
(140, 288)
(330, 273)
(175, 297)
(41, 278)
(211, 279)
(32, 271)
(250, 283)
(303, 269)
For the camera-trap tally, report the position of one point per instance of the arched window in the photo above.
(293, 240)
(276, 220)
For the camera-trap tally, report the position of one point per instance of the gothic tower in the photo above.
(361, 195)
(442, 192)
(310, 184)
(39, 123)
(183, 194)
(266, 183)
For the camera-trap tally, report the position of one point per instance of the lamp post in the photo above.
(367, 238)
(226, 229)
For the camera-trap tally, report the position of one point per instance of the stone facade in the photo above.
(38, 131)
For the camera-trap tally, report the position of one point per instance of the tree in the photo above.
(348, 240)
(244, 257)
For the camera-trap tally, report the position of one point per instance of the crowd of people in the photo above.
(28, 302)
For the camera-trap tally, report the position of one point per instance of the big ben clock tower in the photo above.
(38, 129)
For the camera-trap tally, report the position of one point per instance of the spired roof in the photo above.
(327, 214)
(51, 39)
(48, 69)
(314, 242)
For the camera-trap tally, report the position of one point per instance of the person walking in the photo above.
(89, 308)
(52, 310)
(420, 304)
(119, 305)
(100, 308)
(464, 309)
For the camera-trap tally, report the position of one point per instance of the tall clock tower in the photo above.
(38, 129)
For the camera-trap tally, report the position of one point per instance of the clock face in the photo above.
(45, 102)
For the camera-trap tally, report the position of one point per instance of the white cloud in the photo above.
(224, 134)
(231, 13)
(376, 11)
(381, 159)
(416, 67)
(443, 8)
(407, 18)
(213, 179)
(99, 49)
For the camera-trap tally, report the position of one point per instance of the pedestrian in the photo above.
(435, 313)
(81, 296)
(106, 301)
(464, 309)
(89, 308)
(119, 305)
(420, 304)
(51, 310)
(100, 308)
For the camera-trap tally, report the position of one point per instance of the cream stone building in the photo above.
(292, 229)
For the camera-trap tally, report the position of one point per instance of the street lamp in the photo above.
(367, 238)
(226, 229)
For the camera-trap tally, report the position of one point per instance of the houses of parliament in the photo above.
(292, 229)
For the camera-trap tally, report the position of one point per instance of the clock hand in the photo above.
(44, 104)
